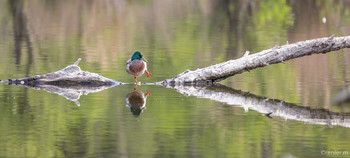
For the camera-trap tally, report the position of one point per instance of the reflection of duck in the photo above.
(136, 101)
(137, 66)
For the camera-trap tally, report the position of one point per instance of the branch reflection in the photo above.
(136, 101)
(270, 107)
(71, 93)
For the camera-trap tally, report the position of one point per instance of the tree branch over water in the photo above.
(267, 57)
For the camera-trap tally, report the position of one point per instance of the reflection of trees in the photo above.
(279, 108)
(237, 12)
(20, 31)
(21, 35)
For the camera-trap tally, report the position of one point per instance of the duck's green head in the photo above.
(138, 56)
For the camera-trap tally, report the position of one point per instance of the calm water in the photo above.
(39, 37)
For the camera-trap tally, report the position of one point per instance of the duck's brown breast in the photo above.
(137, 68)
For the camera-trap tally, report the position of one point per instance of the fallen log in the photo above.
(71, 75)
(267, 57)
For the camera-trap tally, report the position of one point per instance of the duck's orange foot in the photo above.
(137, 83)
(148, 73)
(148, 94)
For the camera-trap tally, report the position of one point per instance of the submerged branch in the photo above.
(272, 107)
(267, 57)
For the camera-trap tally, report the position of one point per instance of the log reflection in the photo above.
(272, 107)
(72, 92)
(136, 101)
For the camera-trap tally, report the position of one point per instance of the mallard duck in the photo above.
(137, 66)
(136, 101)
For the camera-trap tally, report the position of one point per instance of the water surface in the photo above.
(44, 36)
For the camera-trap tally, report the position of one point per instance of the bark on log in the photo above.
(248, 62)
